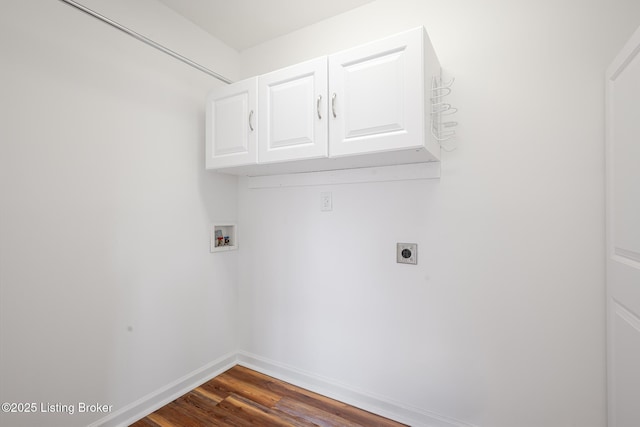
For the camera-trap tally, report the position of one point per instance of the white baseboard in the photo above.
(331, 388)
(157, 399)
(380, 405)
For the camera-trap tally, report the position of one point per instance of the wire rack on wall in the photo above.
(443, 131)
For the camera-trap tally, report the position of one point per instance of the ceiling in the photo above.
(245, 23)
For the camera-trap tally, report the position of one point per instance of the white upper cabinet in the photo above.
(293, 113)
(366, 106)
(378, 100)
(231, 122)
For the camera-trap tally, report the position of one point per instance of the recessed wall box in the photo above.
(223, 237)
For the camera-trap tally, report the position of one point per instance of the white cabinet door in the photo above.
(623, 236)
(293, 113)
(231, 125)
(377, 96)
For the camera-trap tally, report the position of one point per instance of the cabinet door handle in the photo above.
(333, 105)
(318, 107)
(250, 117)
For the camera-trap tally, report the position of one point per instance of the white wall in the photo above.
(105, 209)
(502, 322)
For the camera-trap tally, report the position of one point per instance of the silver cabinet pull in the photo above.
(318, 107)
(250, 117)
(333, 105)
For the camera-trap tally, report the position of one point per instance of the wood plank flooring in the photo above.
(243, 397)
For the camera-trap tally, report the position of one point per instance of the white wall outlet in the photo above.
(326, 203)
(407, 253)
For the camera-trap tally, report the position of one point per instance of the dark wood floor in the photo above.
(243, 397)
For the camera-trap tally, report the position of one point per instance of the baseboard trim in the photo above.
(331, 388)
(157, 399)
(334, 389)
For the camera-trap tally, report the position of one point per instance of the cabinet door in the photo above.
(293, 113)
(231, 125)
(377, 96)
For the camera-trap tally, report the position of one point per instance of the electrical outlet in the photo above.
(407, 253)
(326, 203)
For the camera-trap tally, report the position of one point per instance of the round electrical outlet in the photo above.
(407, 253)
